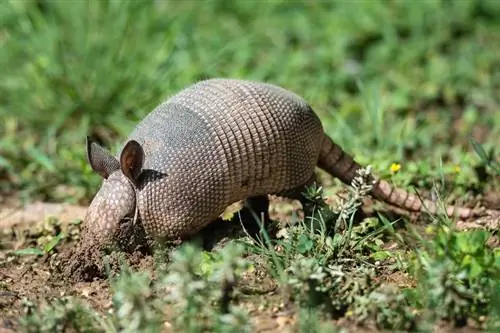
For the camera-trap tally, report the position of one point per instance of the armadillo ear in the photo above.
(131, 160)
(100, 159)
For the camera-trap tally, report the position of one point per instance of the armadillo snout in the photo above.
(114, 202)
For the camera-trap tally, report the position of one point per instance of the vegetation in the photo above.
(410, 88)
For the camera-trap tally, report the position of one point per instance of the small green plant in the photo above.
(332, 288)
(387, 305)
(311, 321)
(48, 236)
(61, 315)
(190, 292)
(489, 160)
(458, 274)
(136, 305)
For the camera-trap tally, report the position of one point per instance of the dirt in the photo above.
(78, 270)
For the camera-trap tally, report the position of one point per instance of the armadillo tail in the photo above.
(413, 203)
(334, 160)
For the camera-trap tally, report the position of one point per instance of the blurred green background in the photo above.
(394, 81)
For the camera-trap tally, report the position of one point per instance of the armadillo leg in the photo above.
(297, 193)
(255, 214)
(259, 207)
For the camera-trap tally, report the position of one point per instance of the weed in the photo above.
(63, 314)
(190, 292)
(47, 236)
(458, 274)
(311, 321)
(135, 307)
(489, 162)
(388, 306)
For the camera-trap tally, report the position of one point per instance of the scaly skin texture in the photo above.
(217, 142)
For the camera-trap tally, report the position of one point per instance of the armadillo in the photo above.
(217, 142)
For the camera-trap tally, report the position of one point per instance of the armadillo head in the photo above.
(116, 199)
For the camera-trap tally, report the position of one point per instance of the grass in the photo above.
(410, 88)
